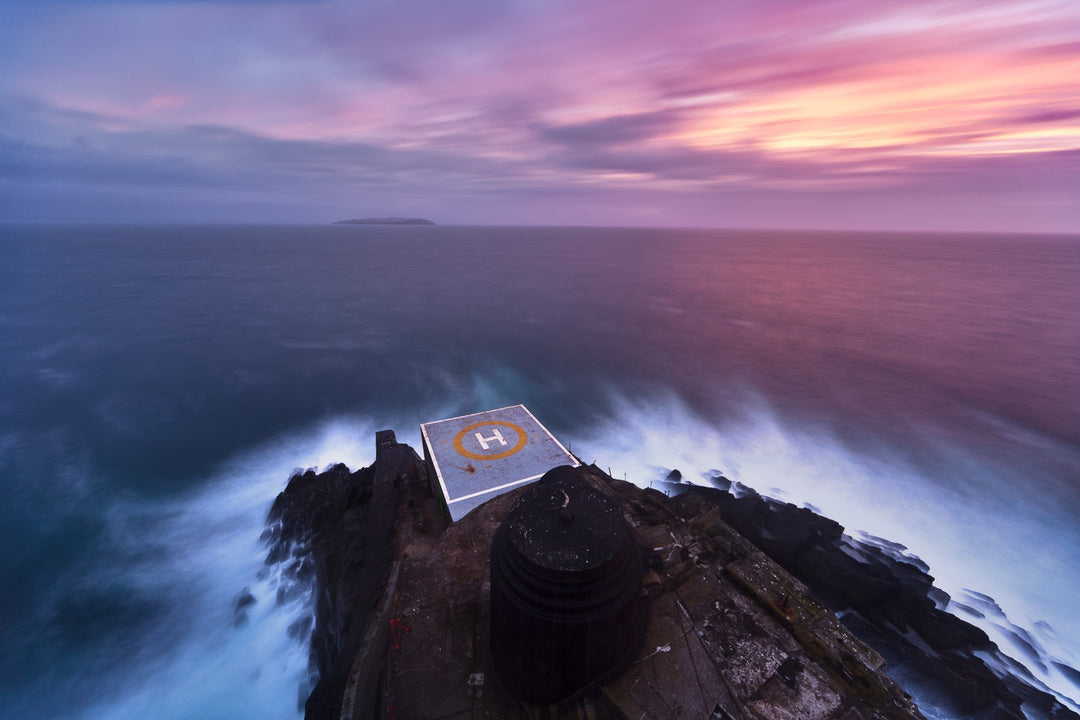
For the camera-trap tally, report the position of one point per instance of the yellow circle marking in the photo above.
(522, 438)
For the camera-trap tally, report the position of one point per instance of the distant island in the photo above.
(385, 221)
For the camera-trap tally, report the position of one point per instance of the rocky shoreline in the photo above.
(889, 601)
(766, 598)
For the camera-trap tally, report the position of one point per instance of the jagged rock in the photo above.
(401, 606)
(890, 602)
(243, 601)
(337, 527)
(729, 634)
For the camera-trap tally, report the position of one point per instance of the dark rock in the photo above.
(789, 671)
(719, 481)
(729, 633)
(378, 554)
(244, 600)
(301, 627)
(335, 529)
(888, 599)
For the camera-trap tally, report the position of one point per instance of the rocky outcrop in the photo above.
(888, 599)
(385, 221)
(728, 633)
(337, 528)
(754, 607)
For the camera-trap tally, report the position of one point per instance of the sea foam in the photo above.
(199, 554)
(1020, 555)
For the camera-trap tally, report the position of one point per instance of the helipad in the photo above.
(476, 457)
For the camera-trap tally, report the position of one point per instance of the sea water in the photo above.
(159, 384)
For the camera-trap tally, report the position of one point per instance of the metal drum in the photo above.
(566, 605)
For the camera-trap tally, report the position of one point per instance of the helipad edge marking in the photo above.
(430, 449)
(577, 463)
(535, 450)
(482, 412)
(500, 487)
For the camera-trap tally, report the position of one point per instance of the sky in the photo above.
(840, 114)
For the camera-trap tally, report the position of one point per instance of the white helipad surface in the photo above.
(479, 456)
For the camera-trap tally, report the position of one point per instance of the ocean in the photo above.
(158, 385)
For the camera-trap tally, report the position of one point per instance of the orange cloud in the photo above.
(963, 105)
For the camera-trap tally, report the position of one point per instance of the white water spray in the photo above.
(1019, 554)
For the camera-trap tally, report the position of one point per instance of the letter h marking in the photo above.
(496, 435)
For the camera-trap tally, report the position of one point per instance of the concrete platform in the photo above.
(480, 456)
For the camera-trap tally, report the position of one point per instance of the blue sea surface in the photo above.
(158, 385)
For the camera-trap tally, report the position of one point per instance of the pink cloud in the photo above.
(747, 96)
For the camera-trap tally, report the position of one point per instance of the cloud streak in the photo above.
(463, 105)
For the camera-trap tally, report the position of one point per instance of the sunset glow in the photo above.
(917, 107)
(481, 111)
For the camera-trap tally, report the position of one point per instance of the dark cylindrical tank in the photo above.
(566, 605)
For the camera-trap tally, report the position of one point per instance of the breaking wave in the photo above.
(1008, 567)
(187, 560)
